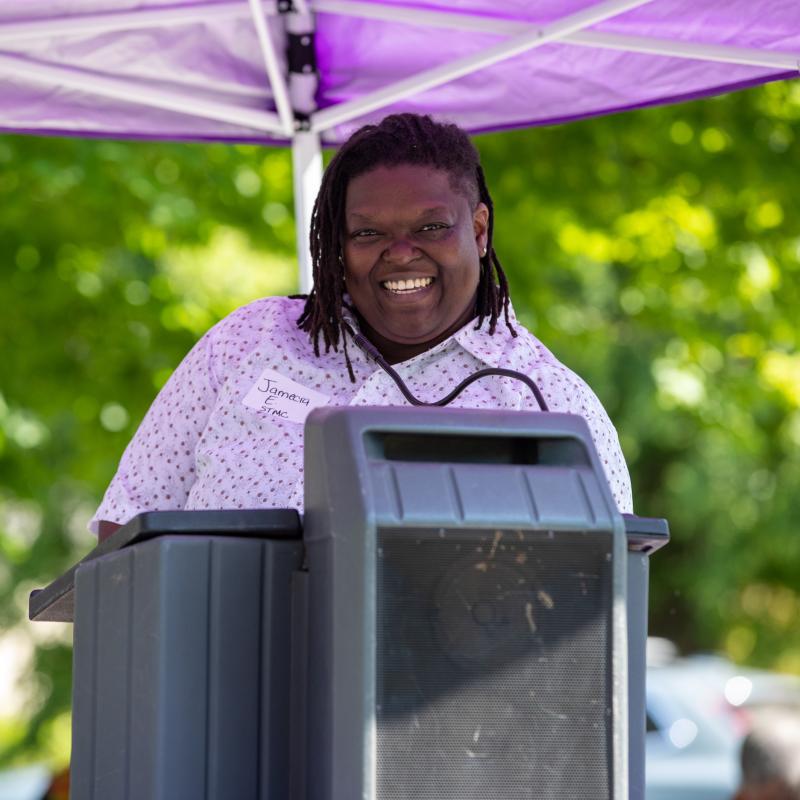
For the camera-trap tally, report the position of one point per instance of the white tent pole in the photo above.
(306, 176)
(747, 56)
(523, 42)
(303, 81)
(421, 16)
(121, 89)
(506, 27)
(277, 81)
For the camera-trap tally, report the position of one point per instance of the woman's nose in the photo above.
(400, 251)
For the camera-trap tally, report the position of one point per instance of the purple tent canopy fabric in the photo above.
(190, 70)
(308, 72)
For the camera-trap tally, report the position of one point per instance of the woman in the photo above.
(401, 242)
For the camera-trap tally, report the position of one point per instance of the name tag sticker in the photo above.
(278, 396)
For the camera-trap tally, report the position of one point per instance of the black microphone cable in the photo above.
(372, 353)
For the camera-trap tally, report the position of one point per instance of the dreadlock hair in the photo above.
(398, 139)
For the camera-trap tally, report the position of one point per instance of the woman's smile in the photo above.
(405, 286)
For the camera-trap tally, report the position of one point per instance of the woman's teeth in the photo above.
(410, 285)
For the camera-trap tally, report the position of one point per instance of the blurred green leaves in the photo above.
(655, 252)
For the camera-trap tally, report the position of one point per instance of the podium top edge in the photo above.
(280, 523)
(472, 421)
(54, 603)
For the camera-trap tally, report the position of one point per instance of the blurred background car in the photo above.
(699, 709)
(34, 782)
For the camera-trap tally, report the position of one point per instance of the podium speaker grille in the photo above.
(493, 665)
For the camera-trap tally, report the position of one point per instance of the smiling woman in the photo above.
(401, 241)
(404, 193)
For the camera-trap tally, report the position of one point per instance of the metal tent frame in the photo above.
(296, 117)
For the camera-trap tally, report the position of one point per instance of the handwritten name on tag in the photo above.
(277, 396)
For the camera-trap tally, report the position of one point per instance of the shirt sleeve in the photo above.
(157, 469)
(567, 392)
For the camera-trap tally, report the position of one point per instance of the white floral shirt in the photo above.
(204, 444)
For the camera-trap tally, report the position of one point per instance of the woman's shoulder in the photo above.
(251, 327)
(267, 315)
(266, 310)
(529, 352)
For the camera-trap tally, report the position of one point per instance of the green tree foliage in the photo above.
(655, 252)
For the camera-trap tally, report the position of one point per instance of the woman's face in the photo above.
(412, 256)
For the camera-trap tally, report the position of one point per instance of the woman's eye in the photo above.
(364, 234)
(434, 226)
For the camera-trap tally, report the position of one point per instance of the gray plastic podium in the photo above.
(233, 654)
(181, 656)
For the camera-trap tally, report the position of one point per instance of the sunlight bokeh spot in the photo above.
(114, 417)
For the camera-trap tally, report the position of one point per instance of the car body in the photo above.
(699, 709)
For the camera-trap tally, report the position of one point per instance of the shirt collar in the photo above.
(491, 349)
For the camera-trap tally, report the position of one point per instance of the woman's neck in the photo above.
(396, 352)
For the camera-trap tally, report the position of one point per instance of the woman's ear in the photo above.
(480, 222)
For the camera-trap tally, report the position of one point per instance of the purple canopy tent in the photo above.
(308, 72)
